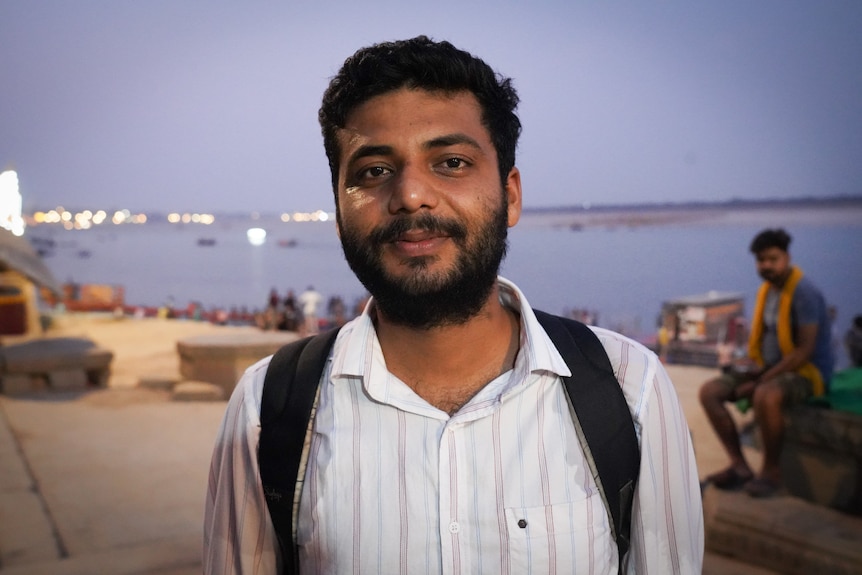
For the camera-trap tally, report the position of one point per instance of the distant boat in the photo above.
(287, 243)
(206, 241)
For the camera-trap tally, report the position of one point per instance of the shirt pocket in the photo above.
(571, 537)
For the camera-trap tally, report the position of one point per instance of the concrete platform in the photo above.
(222, 358)
(53, 363)
(784, 534)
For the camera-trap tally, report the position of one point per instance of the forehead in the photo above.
(771, 253)
(413, 115)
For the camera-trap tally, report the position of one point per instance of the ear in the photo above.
(513, 196)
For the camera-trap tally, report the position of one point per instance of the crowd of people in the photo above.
(303, 313)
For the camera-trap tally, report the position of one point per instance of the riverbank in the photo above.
(834, 212)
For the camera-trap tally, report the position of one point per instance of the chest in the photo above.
(502, 481)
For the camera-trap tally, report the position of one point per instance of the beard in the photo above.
(426, 298)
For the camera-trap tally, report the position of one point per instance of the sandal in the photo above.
(729, 479)
(761, 487)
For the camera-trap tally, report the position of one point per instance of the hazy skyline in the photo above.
(212, 106)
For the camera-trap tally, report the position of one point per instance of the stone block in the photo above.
(822, 457)
(222, 359)
(47, 356)
(784, 534)
(197, 391)
(22, 384)
(67, 379)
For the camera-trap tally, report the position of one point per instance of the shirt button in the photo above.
(454, 527)
(522, 523)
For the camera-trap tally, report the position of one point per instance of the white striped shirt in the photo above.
(394, 485)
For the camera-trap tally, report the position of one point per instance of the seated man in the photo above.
(853, 341)
(789, 360)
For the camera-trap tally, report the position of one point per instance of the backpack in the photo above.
(602, 419)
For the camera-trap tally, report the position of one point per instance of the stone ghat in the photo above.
(222, 359)
(783, 534)
(53, 363)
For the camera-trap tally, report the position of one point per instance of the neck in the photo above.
(779, 282)
(447, 365)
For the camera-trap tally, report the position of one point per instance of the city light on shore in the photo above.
(10, 203)
(87, 219)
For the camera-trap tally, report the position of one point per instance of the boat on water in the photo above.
(206, 241)
(287, 243)
(705, 329)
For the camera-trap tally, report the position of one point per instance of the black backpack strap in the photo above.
(604, 417)
(289, 391)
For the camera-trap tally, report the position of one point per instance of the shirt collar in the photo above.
(357, 347)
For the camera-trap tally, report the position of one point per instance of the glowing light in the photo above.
(10, 203)
(285, 217)
(256, 236)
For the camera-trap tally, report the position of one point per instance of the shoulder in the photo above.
(624, 352)
(808, 300)
(807, 289)
(246, 396)
(638, 369)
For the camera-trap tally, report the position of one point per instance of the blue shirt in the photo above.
(809, 307)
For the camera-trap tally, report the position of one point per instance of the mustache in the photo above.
(427, 223)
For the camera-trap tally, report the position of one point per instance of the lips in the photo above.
(418, 230)
(419, 242)
(418, 235)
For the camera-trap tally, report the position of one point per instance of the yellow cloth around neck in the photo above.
(785, 328)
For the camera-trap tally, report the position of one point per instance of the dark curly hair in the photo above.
(770, 239)
(425, 64)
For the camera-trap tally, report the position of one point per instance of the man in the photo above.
(789, 360)
(309, 301)
(443, 440)
(853, 342)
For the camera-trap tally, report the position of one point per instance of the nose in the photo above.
(412, 190)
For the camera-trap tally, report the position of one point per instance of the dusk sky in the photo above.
(212, 106)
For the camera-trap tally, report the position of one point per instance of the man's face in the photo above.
(773, 265)
(422, 213)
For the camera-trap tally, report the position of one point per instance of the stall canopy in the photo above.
(17, 254)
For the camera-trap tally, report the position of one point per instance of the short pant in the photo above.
(797, 389)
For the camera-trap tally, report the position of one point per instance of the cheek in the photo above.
(355, 199)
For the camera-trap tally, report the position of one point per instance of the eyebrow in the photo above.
(452, 140)
(365, 151)
(439, 142)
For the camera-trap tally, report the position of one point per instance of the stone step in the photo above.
(783, 533)
(177, 556)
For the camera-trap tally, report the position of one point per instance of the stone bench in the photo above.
(222, 358)
(821, 460)
(783, 533)
(53, 363)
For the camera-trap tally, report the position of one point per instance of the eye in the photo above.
(455, 163)
(375, 172)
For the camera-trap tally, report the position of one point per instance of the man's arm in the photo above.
(238, 533)
(667, 522)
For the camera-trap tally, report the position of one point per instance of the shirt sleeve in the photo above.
(238, 534)
(667, 516)
(807, 303)
(668, 532)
